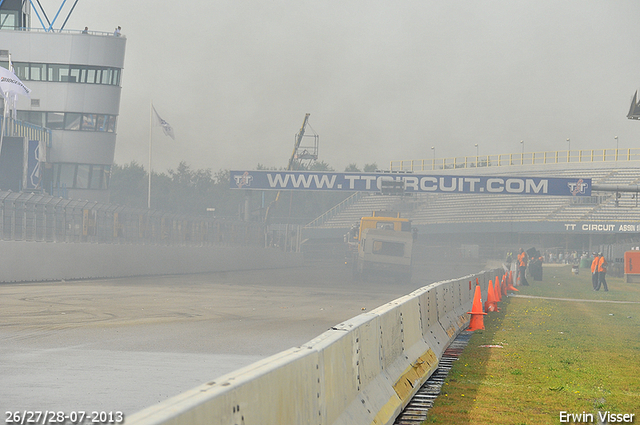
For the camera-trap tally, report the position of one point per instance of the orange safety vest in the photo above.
(602, 264)
(522, 258)
(594, 265)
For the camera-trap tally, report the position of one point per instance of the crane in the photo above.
(299, 156)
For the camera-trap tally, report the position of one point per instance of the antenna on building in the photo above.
(68, 15)
(51, 23)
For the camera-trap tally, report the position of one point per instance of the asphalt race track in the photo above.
(126, 344)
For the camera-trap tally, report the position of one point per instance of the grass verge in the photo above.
(573, 356)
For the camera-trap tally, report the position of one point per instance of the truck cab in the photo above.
(384, 244)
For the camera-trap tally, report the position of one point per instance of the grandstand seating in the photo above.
(362, 208)
(473, 208)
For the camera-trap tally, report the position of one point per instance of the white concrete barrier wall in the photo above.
(34, 261)
(362, 371)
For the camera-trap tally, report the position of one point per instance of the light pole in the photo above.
(616, 147)
(522, 156)
(477, 154)
(433, 149)
(569, 151)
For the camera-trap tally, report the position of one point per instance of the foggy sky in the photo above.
(382, 80)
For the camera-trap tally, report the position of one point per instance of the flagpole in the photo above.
(5, 104)
(150, 134)
(4, 119)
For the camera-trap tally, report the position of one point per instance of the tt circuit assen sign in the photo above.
(413, 183)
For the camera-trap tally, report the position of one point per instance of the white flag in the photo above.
(9, 83)
(166, 127)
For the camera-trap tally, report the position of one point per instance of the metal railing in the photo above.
(39, 217)
(335, 210)
(525, 158)
(17, 128)
(63, 31)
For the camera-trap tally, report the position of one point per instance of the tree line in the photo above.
(194, 191)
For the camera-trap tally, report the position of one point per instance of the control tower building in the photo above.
(75, 80)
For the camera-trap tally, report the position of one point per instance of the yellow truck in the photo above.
(381, 243)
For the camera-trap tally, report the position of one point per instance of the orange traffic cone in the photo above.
(491, 304)
(477, 321)
(510, 286)
(497, 291)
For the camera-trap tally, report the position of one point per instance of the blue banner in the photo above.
(413, 183)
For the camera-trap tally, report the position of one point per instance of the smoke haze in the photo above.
(382, 80)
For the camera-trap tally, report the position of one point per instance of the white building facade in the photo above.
(75, 78)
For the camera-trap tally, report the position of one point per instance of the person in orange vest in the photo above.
(522, 267)
(594, 271)
(602, 271)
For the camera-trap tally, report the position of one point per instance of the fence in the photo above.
(40, 217)
(525, 158)
(68, 31)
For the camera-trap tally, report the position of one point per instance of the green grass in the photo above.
(556, 356)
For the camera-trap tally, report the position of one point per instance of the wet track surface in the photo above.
(126, 344)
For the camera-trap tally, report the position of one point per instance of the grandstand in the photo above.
(444, 213)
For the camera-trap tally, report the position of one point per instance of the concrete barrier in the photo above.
(362, 371)
(34, 261)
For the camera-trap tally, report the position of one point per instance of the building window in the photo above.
(96, 177)
(8, 19)
(89, 122)
(81, 176)
(31, 117)
(54, 73)
(103, 120)
(21, 70)
(106, 174)
(55, 120)
(83, 75)
(112, 124)
(74, 74)
(27, 71)
(64, 75)
(72, 121)
(91, 76)
(69, 121)
(67, 174)
(38, 72)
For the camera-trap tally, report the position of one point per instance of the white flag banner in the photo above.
(166, 127)
(10, 83)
